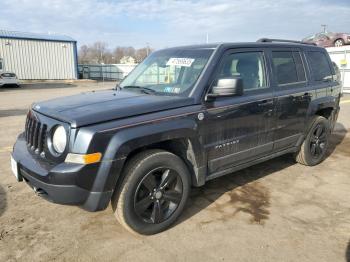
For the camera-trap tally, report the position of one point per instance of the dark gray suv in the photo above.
(184, 116)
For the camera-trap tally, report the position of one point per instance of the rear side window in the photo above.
(289, 67)
(320, 68)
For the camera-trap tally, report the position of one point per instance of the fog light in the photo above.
(83, 159)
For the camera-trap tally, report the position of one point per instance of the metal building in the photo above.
(38, 56)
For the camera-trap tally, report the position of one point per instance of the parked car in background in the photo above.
(8, 78)
(328, 39)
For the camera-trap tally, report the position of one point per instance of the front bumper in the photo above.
(60, 183)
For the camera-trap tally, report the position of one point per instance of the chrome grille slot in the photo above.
(35, 134)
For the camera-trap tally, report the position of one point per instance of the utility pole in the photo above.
(102, 65)
(324, 28)
(147, 48)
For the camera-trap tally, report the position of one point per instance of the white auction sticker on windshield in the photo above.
(174, 61)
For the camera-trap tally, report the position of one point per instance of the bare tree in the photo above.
(118, 54)
(141, 54)
(83, 54)
(98, 53)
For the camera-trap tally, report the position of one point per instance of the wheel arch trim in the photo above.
(123, 142)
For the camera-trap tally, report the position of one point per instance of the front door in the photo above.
(238, 129)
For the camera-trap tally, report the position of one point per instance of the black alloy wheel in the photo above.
(158, 195)
(154, 191)
(318, 141)
(314, 148)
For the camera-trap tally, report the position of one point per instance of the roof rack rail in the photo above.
(270, 40)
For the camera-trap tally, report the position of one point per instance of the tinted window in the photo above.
(300, 67)
(319, 66)
(288, 66)
(249, 66)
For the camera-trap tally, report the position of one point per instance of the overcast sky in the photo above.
(164, 23)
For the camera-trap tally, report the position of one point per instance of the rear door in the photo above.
(293, 95)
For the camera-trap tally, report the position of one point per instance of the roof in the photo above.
(226, 45)
(34, 36)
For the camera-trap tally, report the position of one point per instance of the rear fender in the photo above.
(319, 104)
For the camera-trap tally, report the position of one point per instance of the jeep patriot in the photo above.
(183, 116)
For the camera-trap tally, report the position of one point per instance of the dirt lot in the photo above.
(275, 211)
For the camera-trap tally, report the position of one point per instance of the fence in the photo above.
(341, 56)
(104, 72)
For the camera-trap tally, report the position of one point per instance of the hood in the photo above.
(100, 106)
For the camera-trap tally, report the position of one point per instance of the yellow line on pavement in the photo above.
(344, 101)
(6, 149)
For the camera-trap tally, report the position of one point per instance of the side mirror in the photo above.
(227, 87)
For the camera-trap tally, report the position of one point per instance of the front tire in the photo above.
(153, 193)
(314, 148)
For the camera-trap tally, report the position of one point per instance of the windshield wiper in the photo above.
(117, 87)
(145, 90)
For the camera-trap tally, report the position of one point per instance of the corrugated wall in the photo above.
(35, 59)
(341, 56)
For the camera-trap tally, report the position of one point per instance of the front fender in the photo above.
(124, 141)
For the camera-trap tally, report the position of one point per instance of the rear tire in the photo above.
(339, 42)
(314, 148)
(153, 193)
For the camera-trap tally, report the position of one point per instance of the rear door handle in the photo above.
(307, 95)
(266, 103)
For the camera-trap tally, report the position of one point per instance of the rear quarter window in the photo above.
(319, 66)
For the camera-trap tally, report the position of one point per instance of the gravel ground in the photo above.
(275, 211)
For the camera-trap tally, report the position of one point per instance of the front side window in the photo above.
(168, 72)
(249, 66)
(288, 67)
(320, 68)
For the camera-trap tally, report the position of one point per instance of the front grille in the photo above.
(35, 133)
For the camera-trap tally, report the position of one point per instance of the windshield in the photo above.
(168, 72)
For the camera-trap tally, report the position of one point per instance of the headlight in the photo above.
(59, 139)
